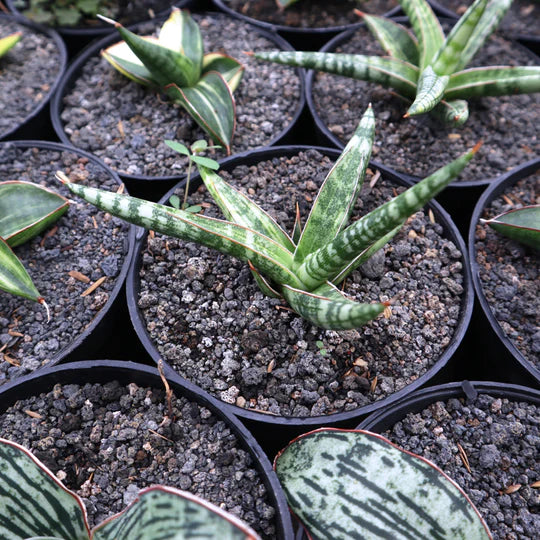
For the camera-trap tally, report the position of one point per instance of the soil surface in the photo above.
(208, 318)
(27, 73)
(500, 439)
(510, 272)
(417, 146)
(311, 13)
(125, 124)
(84, 240)
(108, 441)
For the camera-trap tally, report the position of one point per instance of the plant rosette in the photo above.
(126, 124)
(30, 72)
(204, 315)
(306, 23)
(506, 277)
(484, 436)
(108, 429)
(78, 265)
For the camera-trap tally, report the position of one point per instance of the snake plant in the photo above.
(7, 42)
(203, 84)
(425, 67)
(306, 267)
(35, 505)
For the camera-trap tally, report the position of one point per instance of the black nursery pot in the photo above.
(126, 372)
(36, 122)
(276, 430)
(153, 187)
(499, 355)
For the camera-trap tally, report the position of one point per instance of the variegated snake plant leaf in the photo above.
(304, 270)
(425, 67)
(203, 84)
(346, 484)
(8, 42)
(35, 505)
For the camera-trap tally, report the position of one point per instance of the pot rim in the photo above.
(442, 217)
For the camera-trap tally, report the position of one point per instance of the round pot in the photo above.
(159, 168)
(417, 146)
(80, 323)
(290, 23)
(28, 91)
(129, 373)
(505, 319)
(252, 343)
(489, 452)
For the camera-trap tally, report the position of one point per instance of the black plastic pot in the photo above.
(103, 371)
(37, 123)
(151, 187)
(310, 39)
(510, 364)
(97, 333)
(275, 431)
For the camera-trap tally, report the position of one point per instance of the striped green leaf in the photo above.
(521, 224)
(326, 262)
(33, 502)
(429, 92)
(394, 38)
(387, 71)
(355, 484)
(167, 513)
(327, 308)
(26, 209)
(336, 198)
(122, 58)
(9, 42)
(455, 112)
(211, 104)
(230, 68)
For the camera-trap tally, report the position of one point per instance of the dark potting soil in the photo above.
(126, 124)
(501, 442)
(523, 17)
(27, 74)
(84, 240)
(510, 272)
(508, 126)
(208, 318)
(108, 441)
(312, 13)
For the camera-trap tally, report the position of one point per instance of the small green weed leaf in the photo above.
(89, 7)
(521, 224)
(67, 16)
(178, 147)
(9, 42)
(355, 484)
(193, 209)
(33, 503)
(205, 162)
(199, 146)
(174, 201)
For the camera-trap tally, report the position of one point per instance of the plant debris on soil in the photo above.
(209, 320)
(510, 272)
(84, 247)
(108, 441)
(126, 124)
(490, 447)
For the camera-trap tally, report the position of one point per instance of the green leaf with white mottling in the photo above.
(33, 502)
(429, 92)
(321, 265)
(8, 42)
(161, 513)
(455, 112)
(355, 484)
(521, 224)
(323, 308)
(394, 38)
(26, 209)
(337, 196)
(211, 104)
(230, 68)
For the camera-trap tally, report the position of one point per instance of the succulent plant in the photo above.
(426, 68)
(347, 484)
(26, 209)
(35, 504)
(175, 62)
(306, 268)
(7, 42)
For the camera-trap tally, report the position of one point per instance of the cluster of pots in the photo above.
(126, 316)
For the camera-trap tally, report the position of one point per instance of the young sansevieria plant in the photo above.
(175, 61)
(425, 67)
(34, 504)
(521, 224)
(306, 267)
(8, 42)
(355, 484)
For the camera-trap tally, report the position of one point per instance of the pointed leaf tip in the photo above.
(477, 147)
(359, 13)
(109, 21)
(249, 53)
(61, 177)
